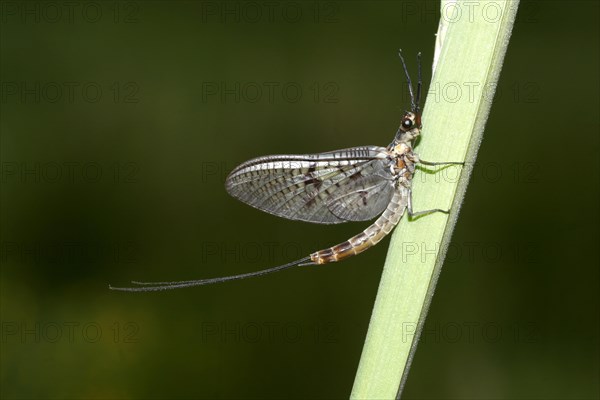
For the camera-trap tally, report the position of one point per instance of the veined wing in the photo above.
(352, 184)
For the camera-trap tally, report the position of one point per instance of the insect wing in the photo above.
(328, 188)
(364, 197)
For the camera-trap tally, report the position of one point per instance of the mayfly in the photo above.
(355, 184)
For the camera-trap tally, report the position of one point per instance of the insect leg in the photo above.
(415, 158)
(418, 214)
(440, 163)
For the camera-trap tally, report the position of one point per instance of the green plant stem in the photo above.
(458, 103)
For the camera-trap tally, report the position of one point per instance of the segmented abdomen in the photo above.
(370, 236)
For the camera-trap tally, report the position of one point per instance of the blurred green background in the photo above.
(120, 122)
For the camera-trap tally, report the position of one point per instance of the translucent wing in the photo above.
(364, 198)
(328, 188)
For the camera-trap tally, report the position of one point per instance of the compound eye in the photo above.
(407, 123)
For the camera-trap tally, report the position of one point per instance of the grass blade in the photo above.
(458, 103)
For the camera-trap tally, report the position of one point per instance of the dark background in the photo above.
(119, 128)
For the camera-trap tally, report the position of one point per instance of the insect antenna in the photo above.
(157, 286)
(410, 87)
